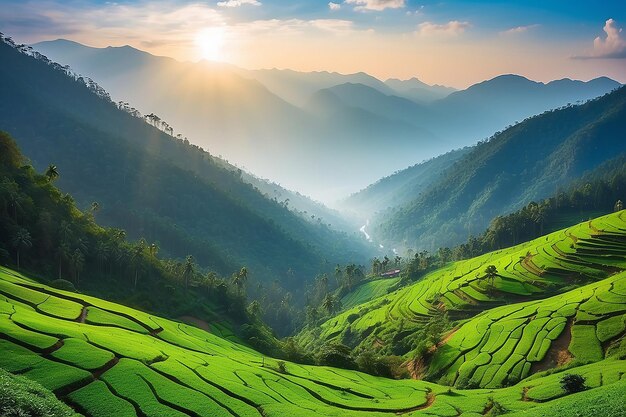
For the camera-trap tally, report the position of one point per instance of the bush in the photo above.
(281, 367)
(337, 355)
(21, 397)
(572, 383)
(62, 284)
(493, 408)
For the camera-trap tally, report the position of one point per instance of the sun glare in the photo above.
(210, 43)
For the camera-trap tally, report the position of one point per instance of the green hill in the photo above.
(153, 185)
(104, 359)
(588, 252)
(526, 162)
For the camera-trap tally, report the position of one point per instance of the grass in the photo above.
(119, 361)
(367, 291)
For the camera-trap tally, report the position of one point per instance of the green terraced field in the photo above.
(588, 252)
(122, 362)
(506, 344)
(368, 291)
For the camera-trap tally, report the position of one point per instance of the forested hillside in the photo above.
(156, 186)
(526, 162)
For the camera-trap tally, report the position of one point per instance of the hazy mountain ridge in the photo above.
(146, 181)
(527, 161)
(253, 117)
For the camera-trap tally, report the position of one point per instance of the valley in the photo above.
(358, 208)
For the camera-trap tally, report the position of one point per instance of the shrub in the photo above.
(572, 383)
(335, 354)
(20, 397)
(281, 367)
(493, 408)
(62, 284)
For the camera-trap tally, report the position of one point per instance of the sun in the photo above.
(210, 43)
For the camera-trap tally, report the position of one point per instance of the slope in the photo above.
(136, 364)
(153, 185)
(587, 252)
(526, 162)
(403, 186)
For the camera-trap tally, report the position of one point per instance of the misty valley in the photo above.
(221, 237)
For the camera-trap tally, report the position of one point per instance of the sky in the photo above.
(454, 43)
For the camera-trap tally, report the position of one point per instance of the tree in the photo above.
(375, 266)
(330, 303)
(21, 241)
(572, 383)
(254, 308)
(136, 258)
(240, 279)
(52, 173)
(188, 270)
(619, 206)
(491, 272)
(78, 262)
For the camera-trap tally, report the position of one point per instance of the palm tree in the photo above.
(491, 272)
(52, 173)
(63, 253)
(254, 308)
(21, 241)
(619, 206)
(136, 255)
(95, 207)
(188, 270)
(375, 266)
(78, 261)
(338, 274)
(103, 252)
(240, 279)
(330, 303)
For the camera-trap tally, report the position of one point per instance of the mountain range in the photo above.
(324, 134)
(156, 186)
(458, 194)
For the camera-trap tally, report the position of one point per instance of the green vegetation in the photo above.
(21, 397)
(67, 245)
(157, 186)
(523, 163)
(400, 323)
(367, 291)
(179, 370)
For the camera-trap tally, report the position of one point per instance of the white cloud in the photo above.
(452, 28)
(518, 29)
(237, 3)
(611, 46)
(334, 6)
(377, 5)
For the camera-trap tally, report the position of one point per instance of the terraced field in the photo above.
(588, 252)
(108, 360)
(508, 343)
(368, 291)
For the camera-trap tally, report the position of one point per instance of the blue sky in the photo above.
(449, 42)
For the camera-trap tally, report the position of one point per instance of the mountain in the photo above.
(402, 186)
(154, 185)
(419, 91)
(229, 112)
(526, 162)
(298, 87)
(491, 105)
(275, 124)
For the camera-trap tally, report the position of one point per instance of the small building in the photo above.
(391, 273)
